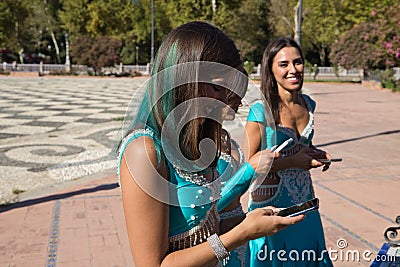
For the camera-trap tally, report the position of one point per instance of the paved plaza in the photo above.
(56, 129)
(56, 140)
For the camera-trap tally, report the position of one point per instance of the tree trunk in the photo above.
(296, 22)
(56, 46)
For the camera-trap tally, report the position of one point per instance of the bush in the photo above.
(4, 72)
(249, 67)
(59, 73)
(97, 53)
(388, 80)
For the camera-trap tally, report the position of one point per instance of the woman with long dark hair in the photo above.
(289, 182)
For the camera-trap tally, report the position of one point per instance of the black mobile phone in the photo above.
(329, 160)
(301, 208)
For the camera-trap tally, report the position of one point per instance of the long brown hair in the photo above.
(269, 87)
(191, 42)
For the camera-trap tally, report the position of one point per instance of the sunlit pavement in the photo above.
(72, 221)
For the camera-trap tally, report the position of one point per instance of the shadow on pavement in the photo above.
(35, 201)
(357, 138)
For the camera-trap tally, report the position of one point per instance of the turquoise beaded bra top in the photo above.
(192, 216)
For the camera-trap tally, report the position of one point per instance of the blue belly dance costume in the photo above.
(304, 242)
(196, 217)
(227, 166)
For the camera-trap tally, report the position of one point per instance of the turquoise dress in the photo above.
(227, 166)
(303, 243)
(195, 218)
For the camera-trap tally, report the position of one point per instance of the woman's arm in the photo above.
(147, 218)
(252, 139)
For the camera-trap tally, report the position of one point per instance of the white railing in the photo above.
(143, 69)
(324, 73)
(48, 68)
(330, 71)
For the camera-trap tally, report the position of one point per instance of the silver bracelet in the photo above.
(219, 249)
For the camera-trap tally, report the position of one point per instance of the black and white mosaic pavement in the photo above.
(57, 129)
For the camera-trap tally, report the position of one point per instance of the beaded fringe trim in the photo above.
(197, 234)
(266, 190)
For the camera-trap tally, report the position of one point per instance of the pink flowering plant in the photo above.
(372, 45)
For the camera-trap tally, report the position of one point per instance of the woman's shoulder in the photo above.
(310, 103)
(141, 143)
(258, 104)
(143, 147)
(257, 112)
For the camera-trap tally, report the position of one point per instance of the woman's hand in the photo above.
(320, 154)
(306, 159)
(262, 222)
(262, 161)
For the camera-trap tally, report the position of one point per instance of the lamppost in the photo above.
(298, 24)
(152, 35)
(67, 62)
(137, 58)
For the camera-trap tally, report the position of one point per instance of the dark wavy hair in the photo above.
(269, 87)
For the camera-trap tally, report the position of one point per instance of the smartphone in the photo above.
(301, 208)
(329, 160)
(282, 146)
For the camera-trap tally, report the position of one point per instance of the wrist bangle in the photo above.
(219, 249)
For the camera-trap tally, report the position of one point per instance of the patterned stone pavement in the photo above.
(56, 129)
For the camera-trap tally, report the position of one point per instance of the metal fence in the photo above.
(324, 72)
(79, 69)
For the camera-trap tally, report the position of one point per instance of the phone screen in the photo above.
(329, 160)
(301, 208)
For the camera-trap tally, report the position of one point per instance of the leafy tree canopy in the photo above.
(372, 44)
(39, 26)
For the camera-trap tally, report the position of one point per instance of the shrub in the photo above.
(249, 67)
(388, 80)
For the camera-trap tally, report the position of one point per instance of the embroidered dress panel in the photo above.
(227, 166)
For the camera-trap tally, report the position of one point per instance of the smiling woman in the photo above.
(289, 181)
(288, 69)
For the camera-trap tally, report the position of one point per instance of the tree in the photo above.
(387, 19)
(184, 11)
(96, 52)
(45, 30)
(245, 22)
(281, 17)
(141, 34)
(323, 22)
(13, 21)
(321, 27)
(111, 18)
(74, 17)
(373, 44)
(358, 48)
